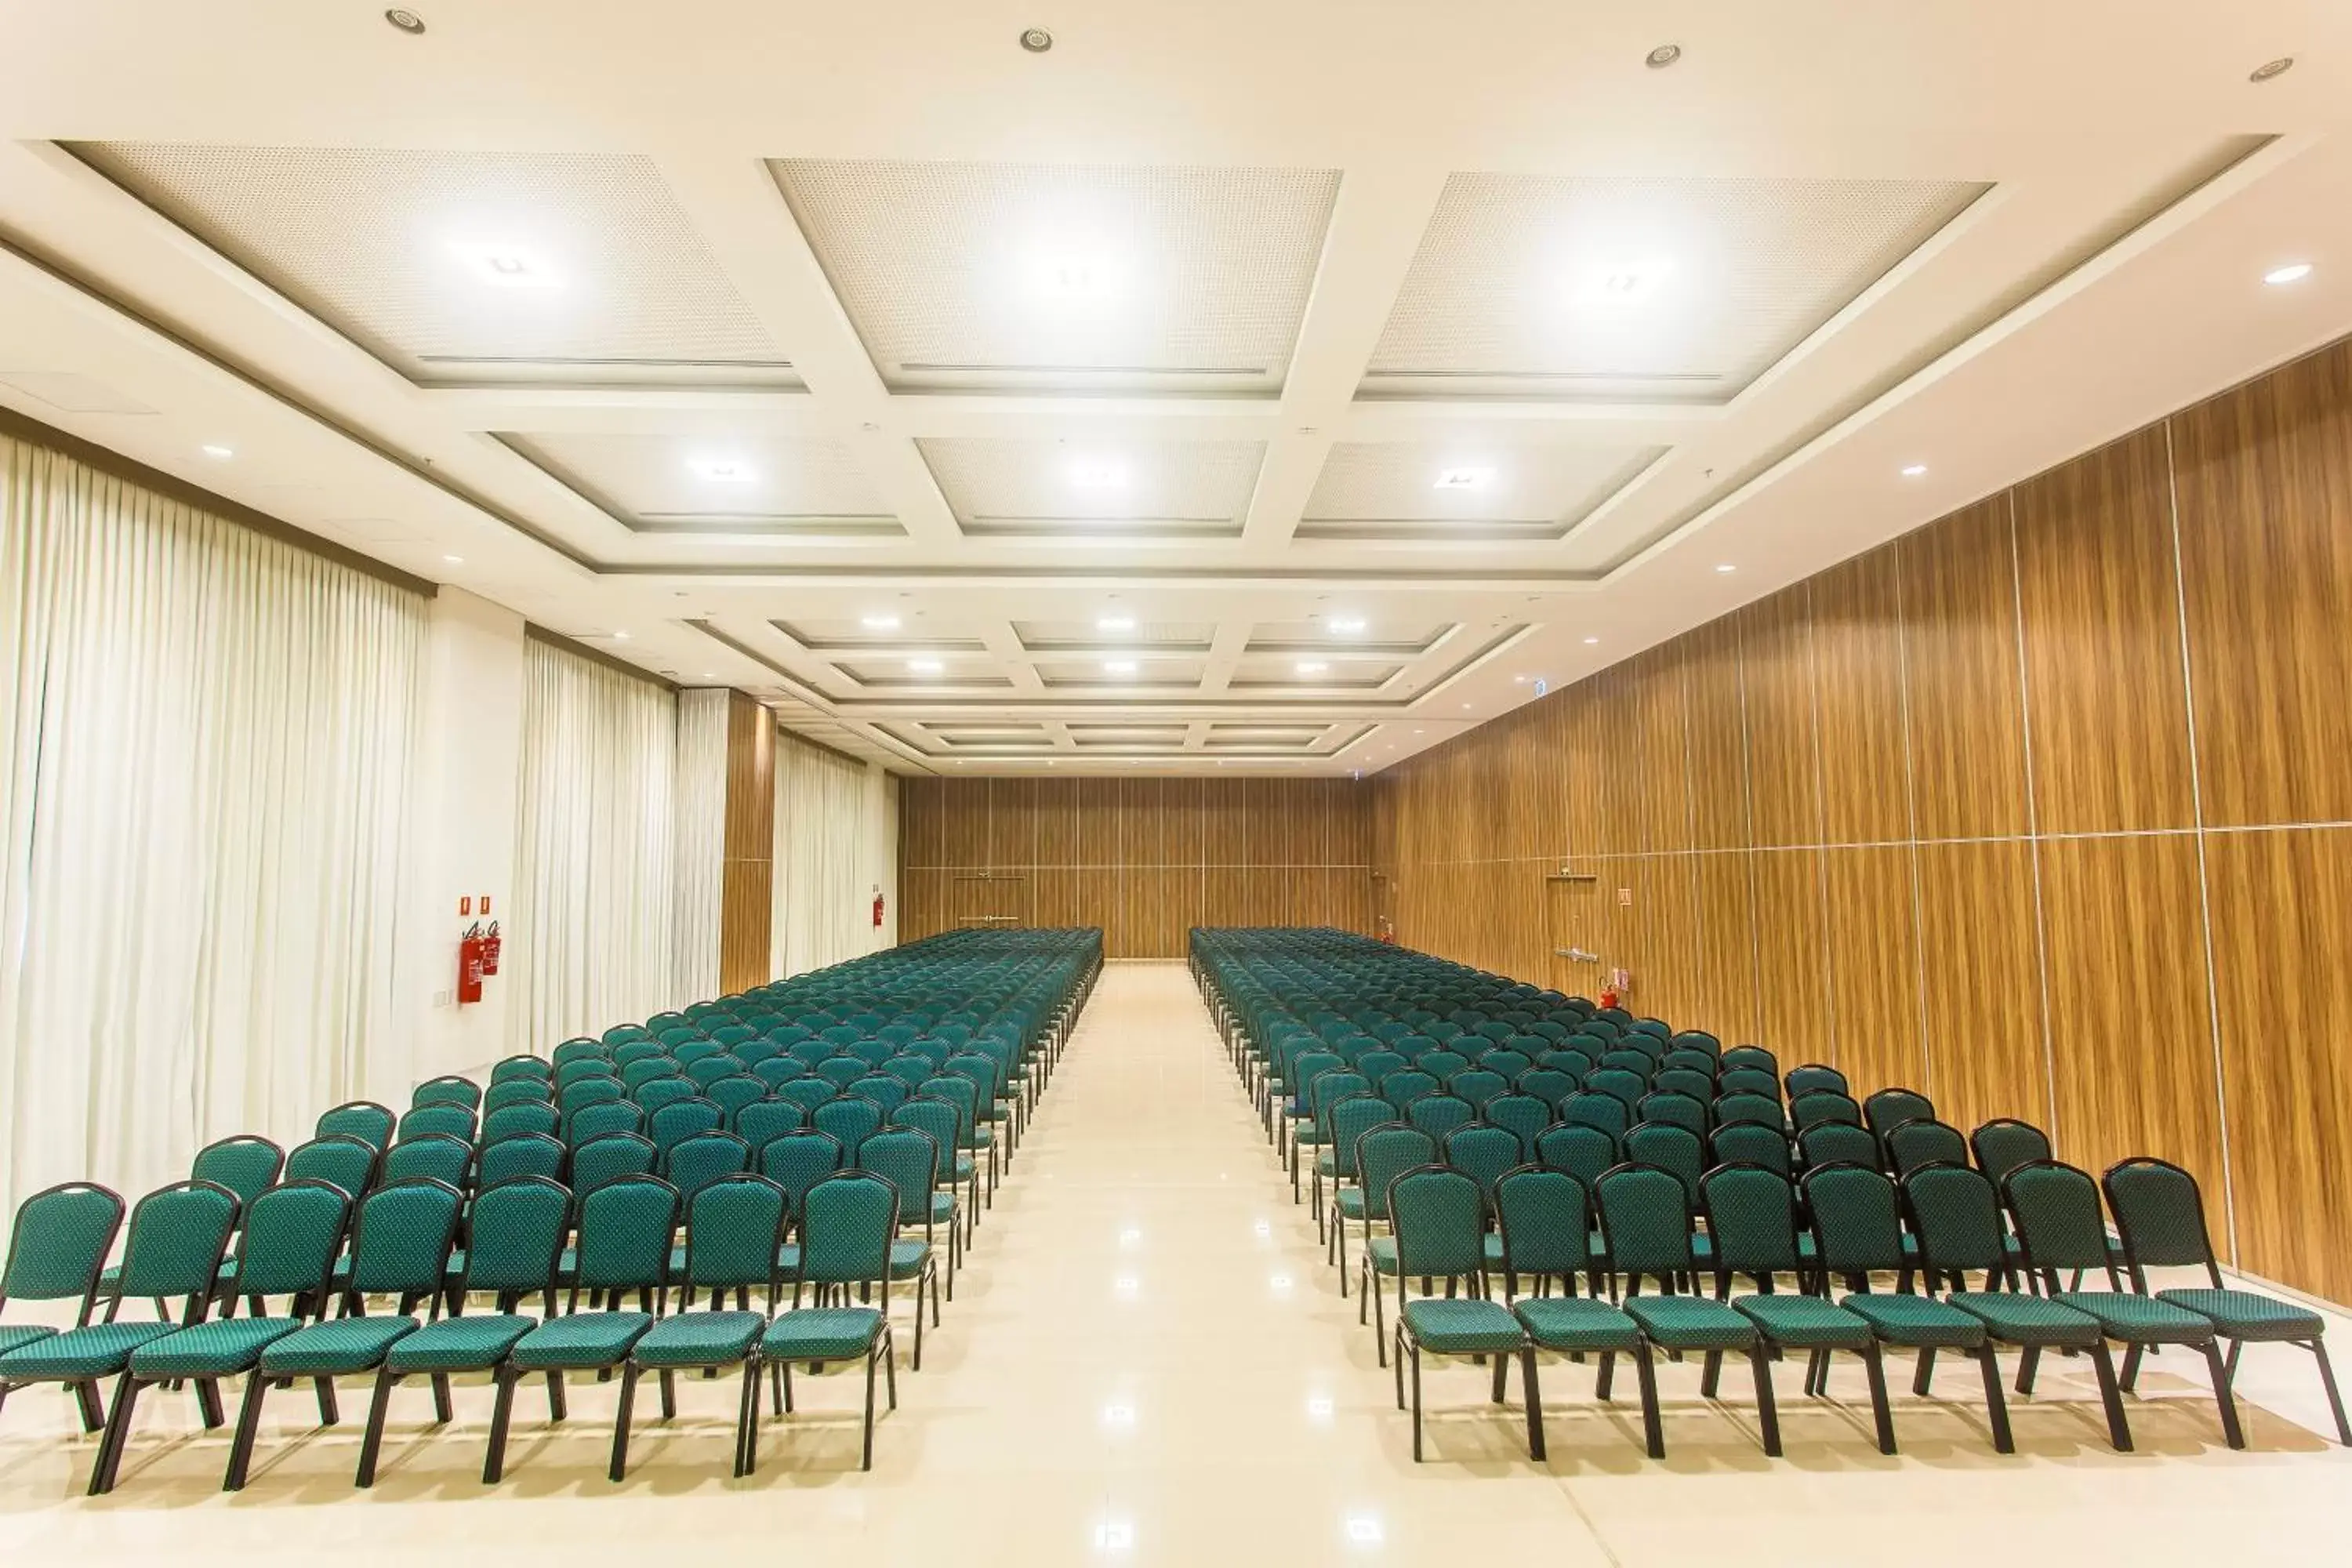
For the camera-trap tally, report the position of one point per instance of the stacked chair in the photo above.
(1582, 1182)
(738, 1186)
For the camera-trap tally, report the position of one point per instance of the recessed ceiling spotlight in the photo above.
(925, 666)
(879, 623)
(1346, 626)
(1118, 667)
(1619, 285)
(1097, 474)
(1661, 56)
(720, 470)
(1727, 566)
(620, 636)
(2293, 272)
(505, 265)
(455, 560)
(1913, 471)
(710, 675)
(1115, 624)
(1466, 707)
(412, 24)
(1036, 40)
(1591, 641)
(1519, 680)
(1312, 667)
(222, 453)
(1464, 479)
(2270, 68)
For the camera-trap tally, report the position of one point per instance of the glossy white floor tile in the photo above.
(1147, 1360)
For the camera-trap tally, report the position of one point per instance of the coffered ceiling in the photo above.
(1272, 389)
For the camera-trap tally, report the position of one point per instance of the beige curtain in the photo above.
(829, 834)
(204, 737)
(701, 856)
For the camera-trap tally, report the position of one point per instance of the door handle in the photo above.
(1576, 955)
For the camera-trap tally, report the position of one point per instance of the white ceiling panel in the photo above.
(884, 629)
(1128, 488)
(1115, 629)
(1463, 488)
(1671, 290)
(463, 267)
(746, 483)
(1009, 276)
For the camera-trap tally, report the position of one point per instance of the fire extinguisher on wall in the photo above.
(877, 907)
(471, 950)
(490, 942)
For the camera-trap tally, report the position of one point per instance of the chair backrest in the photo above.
(512, 1121)
(449, 1090)
(517, 1091)
(1645, 1216)
(1891, 1107)
(244, 1162)
(540, 1069)
(1837, 1144)
(847, 1222)
(1764, 1109)
(849, 1118)
(808, 1091)
(1824, 1105)
(940, 1119)
(1814, 1078)
(1923, 1143)
(516, 1236)
(627, 1228)
(1589, 1108)
(179, 1234)
(1545, 1217)
(440, 1119)
(2004, 1143)
(1548, 1084)
(1382, 1154)
(1483, 1153)
(1955, 1215)
(1525, 1115)
(797, 1161)
(610, 1156)
(1443, 1063)
(1478, 1085)
(1751, 1059)
(525, 1154)
(574, 1098)
(362, 1118)
(401, 1239)
(655, 1093)
(2059, 1221)
(1754, 1082)
(908, 1159)
(1507, 1059)
(348, 1162)
(840, 1071)
(1857, 1220)
(1680, 1110)
(2160, 1215)
(693, 1163)
(439, 1155)
(1406, 1085)
(1696, 1082)
(674, 1124)
(1665, 1146)
(1351, 1120)
(762, 1120)
(1578, 1149)
(292, 1234)
(592, 1121)
(1751, 1220)
(1751, 1143)
(1439, 1114)
(882, 1089)
(732, 1230)
(1439, 1218)
(57, 1245)
(1618, 1083)
(706, 1070)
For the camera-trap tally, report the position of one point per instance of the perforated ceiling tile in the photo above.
(1432, 489)
(1685, 289)
(468, 267)
(1023, 486)
(741, 483)
(1025, 275)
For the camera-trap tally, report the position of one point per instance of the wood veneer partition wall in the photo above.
(746, 907)
(1144, 859)
(2046, 808)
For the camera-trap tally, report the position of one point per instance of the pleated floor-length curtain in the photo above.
(823, 894)
(205, 741)
(593, 935)
(702, 862)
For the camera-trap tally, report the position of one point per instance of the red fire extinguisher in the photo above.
(491, 945)
(469, 965)
(877, 909)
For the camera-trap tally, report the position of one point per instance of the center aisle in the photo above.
(1152, 1363)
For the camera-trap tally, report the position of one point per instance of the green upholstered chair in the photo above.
(703, 1159)
(540, 1068)
(849, 1119)
(514, 1244)
(291, 1236)
(441, 1156)
(596, 1119)
(513, 1120)
(450, 1089)
(1822, 1106)
(1545, 1219)
(735, 1093)
(362, 1118)
(958, 1173)
(1837, 1144)
(848, 1224)
(178, 1236)
(908, 1159)
(1814, 1077)
(605, 1158)
(245, 1163)
(2059, 1226)
(1888, 1108)
(2160, 1216)
(1955, 1215)
(2004, 1143)
(1751, 1143)
(1751, 1222)
(1382, 1154)
(1437, 1218)
(517, 1091)
(1590, 1107)
(57, 1250)
(1347, 1120)
(1645, 1216)
(1923, 1142)
(401, 1238)
(345, 1161)
(442, 1117)
(734, 1229)
(526, 1154)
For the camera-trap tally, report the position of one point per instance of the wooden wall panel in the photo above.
(2100, 608)
(2265, 495)
(1874, 953)
(1224, 822)
(747, 906)
(963, 824)
(1058, 822)
(1719, 752)
(1182, 828)
(1725, 1000)
(1012, 822)
(1061, 897)
(1097, 811)
(1792, 957)
(1960, 670)
(1662, 775)
(2282, 908)
(1783, 755)
(2131, 1036)
(1859, 702)
(1983, 983)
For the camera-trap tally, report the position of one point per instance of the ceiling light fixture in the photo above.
(620, 636)
(1118, 667)
(412, 24)
(879, 623)
(505, 265)
(1097, 474)
(2293, 272)
(1115, 624)
(455, 560)
(223, 453)
(925, 666)
(1661, 56)
(1346, 626)
(1036, 40)
(720, 470)
(1464, 479)
(2271, 69)
(1312, 667)
(1913, 471)
(1727, 566)
(1590, 641)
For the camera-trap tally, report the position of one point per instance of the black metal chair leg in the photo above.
(118, 1431)
(209, 1403)
(330, 1412)
(92, 1408)
(620, 1464)
(494, 1456)
(558, 1408)
(2223, 1400)
(1536, 1450)
(1652, 1430)
(371, 1444)
(747, 1418)
(866, 1458)
(2027, 1365)
(248, 1423)
(1768, 1413)
(1413, 1348)
(667, 1377)
(1925, 1372)
(1874, 1365)
(1607, 1375)
(1711, 1379)
(2128, 1378)
(2118, 1428)
(1996, 1406)
(443, 1412)
(2326, 1381)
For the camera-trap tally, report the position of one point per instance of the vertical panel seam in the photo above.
(1821, 823)
(1911, 830)
(2197, 817)
(2032, 817)
(1747, 836)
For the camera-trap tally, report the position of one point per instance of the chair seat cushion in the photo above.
(1350, 1202)
(2028, 1319)
(2142, 1320)
(344, 1345)
(459, 1344)
(1382, 1250)
(17, 1336)
(580, 1340)
(2243, 1315)
(1463, 1326)
(909, 1257)
(1806, 1323)
(100, 1350)
(1576, 1323)
(700, 1338)
(1690, 1323)
(214, 1349)
(1919, 1321)
(821, 1333)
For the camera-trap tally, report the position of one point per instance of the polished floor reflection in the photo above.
(1147, 1360)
